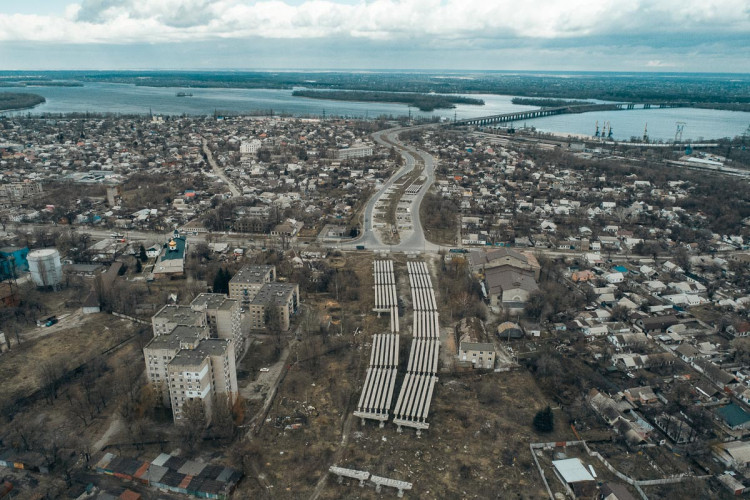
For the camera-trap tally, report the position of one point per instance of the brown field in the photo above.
(88, 337)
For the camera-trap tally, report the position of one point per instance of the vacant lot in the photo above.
(478, 441)
(480, 429)
(86, 338)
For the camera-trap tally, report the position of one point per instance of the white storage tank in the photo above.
(45, 267)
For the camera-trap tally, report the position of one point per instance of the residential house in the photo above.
(576, 478)
(721, 378)
(614, 278)
(480, 355)
(734, 416)
(641, 395)
(734, 454)
(482, 260)
(657, 323)
(509, 287)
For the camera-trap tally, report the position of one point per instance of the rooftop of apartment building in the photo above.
(213, 301)
(177, 336)
(195, 357)
(183, 315)
(274, 293)
(252, 274)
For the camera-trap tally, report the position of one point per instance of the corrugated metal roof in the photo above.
(211, 471)
(172, 478)
(161, 459)
(211, 486)
(733, 415)
(225, 475)
(739, 450)
(175, 463)
(572, 470)
(104, 462)
(155, 473)
(192, 468)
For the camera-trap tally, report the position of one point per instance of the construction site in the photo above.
(374, 411)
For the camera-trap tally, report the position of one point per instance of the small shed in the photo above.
(576, 477)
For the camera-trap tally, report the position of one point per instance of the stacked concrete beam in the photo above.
(342, 472)
(363, 476)
(425, 325)
(377, 394)
(413, 189)
(413, 404)
(423, 295)
(393, 483)
(386, 296)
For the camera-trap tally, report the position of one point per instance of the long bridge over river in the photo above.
(562, 110)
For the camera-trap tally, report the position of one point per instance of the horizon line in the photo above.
(381, 70)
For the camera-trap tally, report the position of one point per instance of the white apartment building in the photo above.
(207, 372)
(250, 147)
(354, 152)
(248, 281)
(192, 354)
(222, 317)
(169, 316)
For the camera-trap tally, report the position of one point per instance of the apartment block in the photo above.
(162, 349)
(223, 318)
(170, 316)
(205, 373)
(283, 297)
(248, 281)
(192, 355)
(354, 152)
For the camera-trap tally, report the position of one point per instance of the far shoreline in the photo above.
(19, 101)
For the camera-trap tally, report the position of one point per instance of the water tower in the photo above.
(45, 267)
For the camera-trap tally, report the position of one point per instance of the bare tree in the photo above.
(222, 421)
(80, 407)
(51, 373)
(192, 423)
(26, 431)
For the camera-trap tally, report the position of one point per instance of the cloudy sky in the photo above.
(565, 35)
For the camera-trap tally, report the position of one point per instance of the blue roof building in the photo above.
(734, 416)
(13, 261)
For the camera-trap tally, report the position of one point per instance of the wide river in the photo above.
(699, 124)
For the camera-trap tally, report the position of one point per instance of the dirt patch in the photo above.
(76, 343)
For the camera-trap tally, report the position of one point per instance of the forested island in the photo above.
(425, 102)
(546, 103)
(19, 100)
(36, 81)
(730, 92)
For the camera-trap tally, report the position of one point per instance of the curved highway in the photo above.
(411, 240)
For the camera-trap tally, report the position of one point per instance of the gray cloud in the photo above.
(171, 13)
(482, 34)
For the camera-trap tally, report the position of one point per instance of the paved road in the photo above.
(219, 171)
(413, 240)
